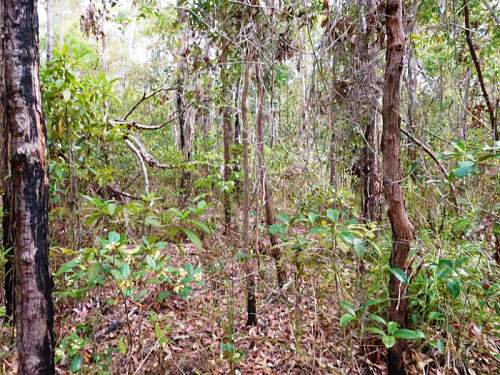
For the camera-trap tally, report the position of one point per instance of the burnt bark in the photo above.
(184, 134)
(479, 72)
(28, 189)
(266, 192)
(4, 172)
(402, 229)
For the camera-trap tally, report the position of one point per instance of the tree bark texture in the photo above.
(226, 127)
(28, 189)
(4, 172)
(370, 165)
(249, 269)
(402, 229)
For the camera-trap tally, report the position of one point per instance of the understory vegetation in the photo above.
(262, 187)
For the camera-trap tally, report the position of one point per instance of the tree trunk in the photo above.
(184, 135)
(4, 172)
(50, 34)
(249, 269)
(402, 229)
(28, 189)
(370, 166)
(226, 127)
(477, 65)
(275, 251)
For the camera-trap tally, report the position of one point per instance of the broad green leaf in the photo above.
(348, 307)
(152, 221)
(200, 226)
(68, 266)
(408, 334)
(392, 327)
(151, 262)
(195, 240)
(318, 230)
(375, 330)
(125, 270)
(116, 274)
(346, 319)
(277, 229)
(453, 286)
(111, 208)
(333, 215)
(160, 336)
(388, 341)
(464, 168)
(284, 218)
(76, 363)
(440, 346)
(359, 247)
(434, 315)
(121, 346)
(378, 319)
(312, 216)
(399, 274)
(347, 236)
(113, 237)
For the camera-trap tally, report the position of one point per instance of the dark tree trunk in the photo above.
(184, 143)
(275, 251)
(226, 127)
(237, 123)
(4, 172)
(477, 65)
(28, 189)
(249, 269)
(402, 229)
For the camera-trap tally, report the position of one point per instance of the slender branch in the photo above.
(477, 65)
(146, 97)
(147, 127)
(443, 169)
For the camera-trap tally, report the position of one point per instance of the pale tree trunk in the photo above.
(249, 268)
(266, 192)
(402, 229)
(28, 189)
(48, 30)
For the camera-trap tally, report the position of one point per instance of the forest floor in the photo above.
(297, 333)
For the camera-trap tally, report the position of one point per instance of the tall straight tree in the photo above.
(27, 188)
(249, 270)
(402, 229)
(370, 181)
(7, 239)
(264, 186)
